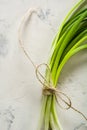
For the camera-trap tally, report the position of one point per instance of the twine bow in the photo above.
(47, 89)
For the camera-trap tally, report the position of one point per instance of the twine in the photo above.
(47, 88)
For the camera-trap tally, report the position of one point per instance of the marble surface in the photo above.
(20, 92)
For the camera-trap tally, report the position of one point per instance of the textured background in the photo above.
(20, 92)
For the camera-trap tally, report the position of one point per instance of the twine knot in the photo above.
(49, 91)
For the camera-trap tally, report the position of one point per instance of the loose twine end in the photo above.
(47, 89)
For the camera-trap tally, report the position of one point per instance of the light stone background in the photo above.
(20, 92)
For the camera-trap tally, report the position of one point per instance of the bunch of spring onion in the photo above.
(70, 39)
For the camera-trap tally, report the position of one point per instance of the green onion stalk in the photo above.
(70, 39)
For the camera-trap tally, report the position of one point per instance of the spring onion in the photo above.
(70, 39)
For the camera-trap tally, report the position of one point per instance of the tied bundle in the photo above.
(70, 39)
